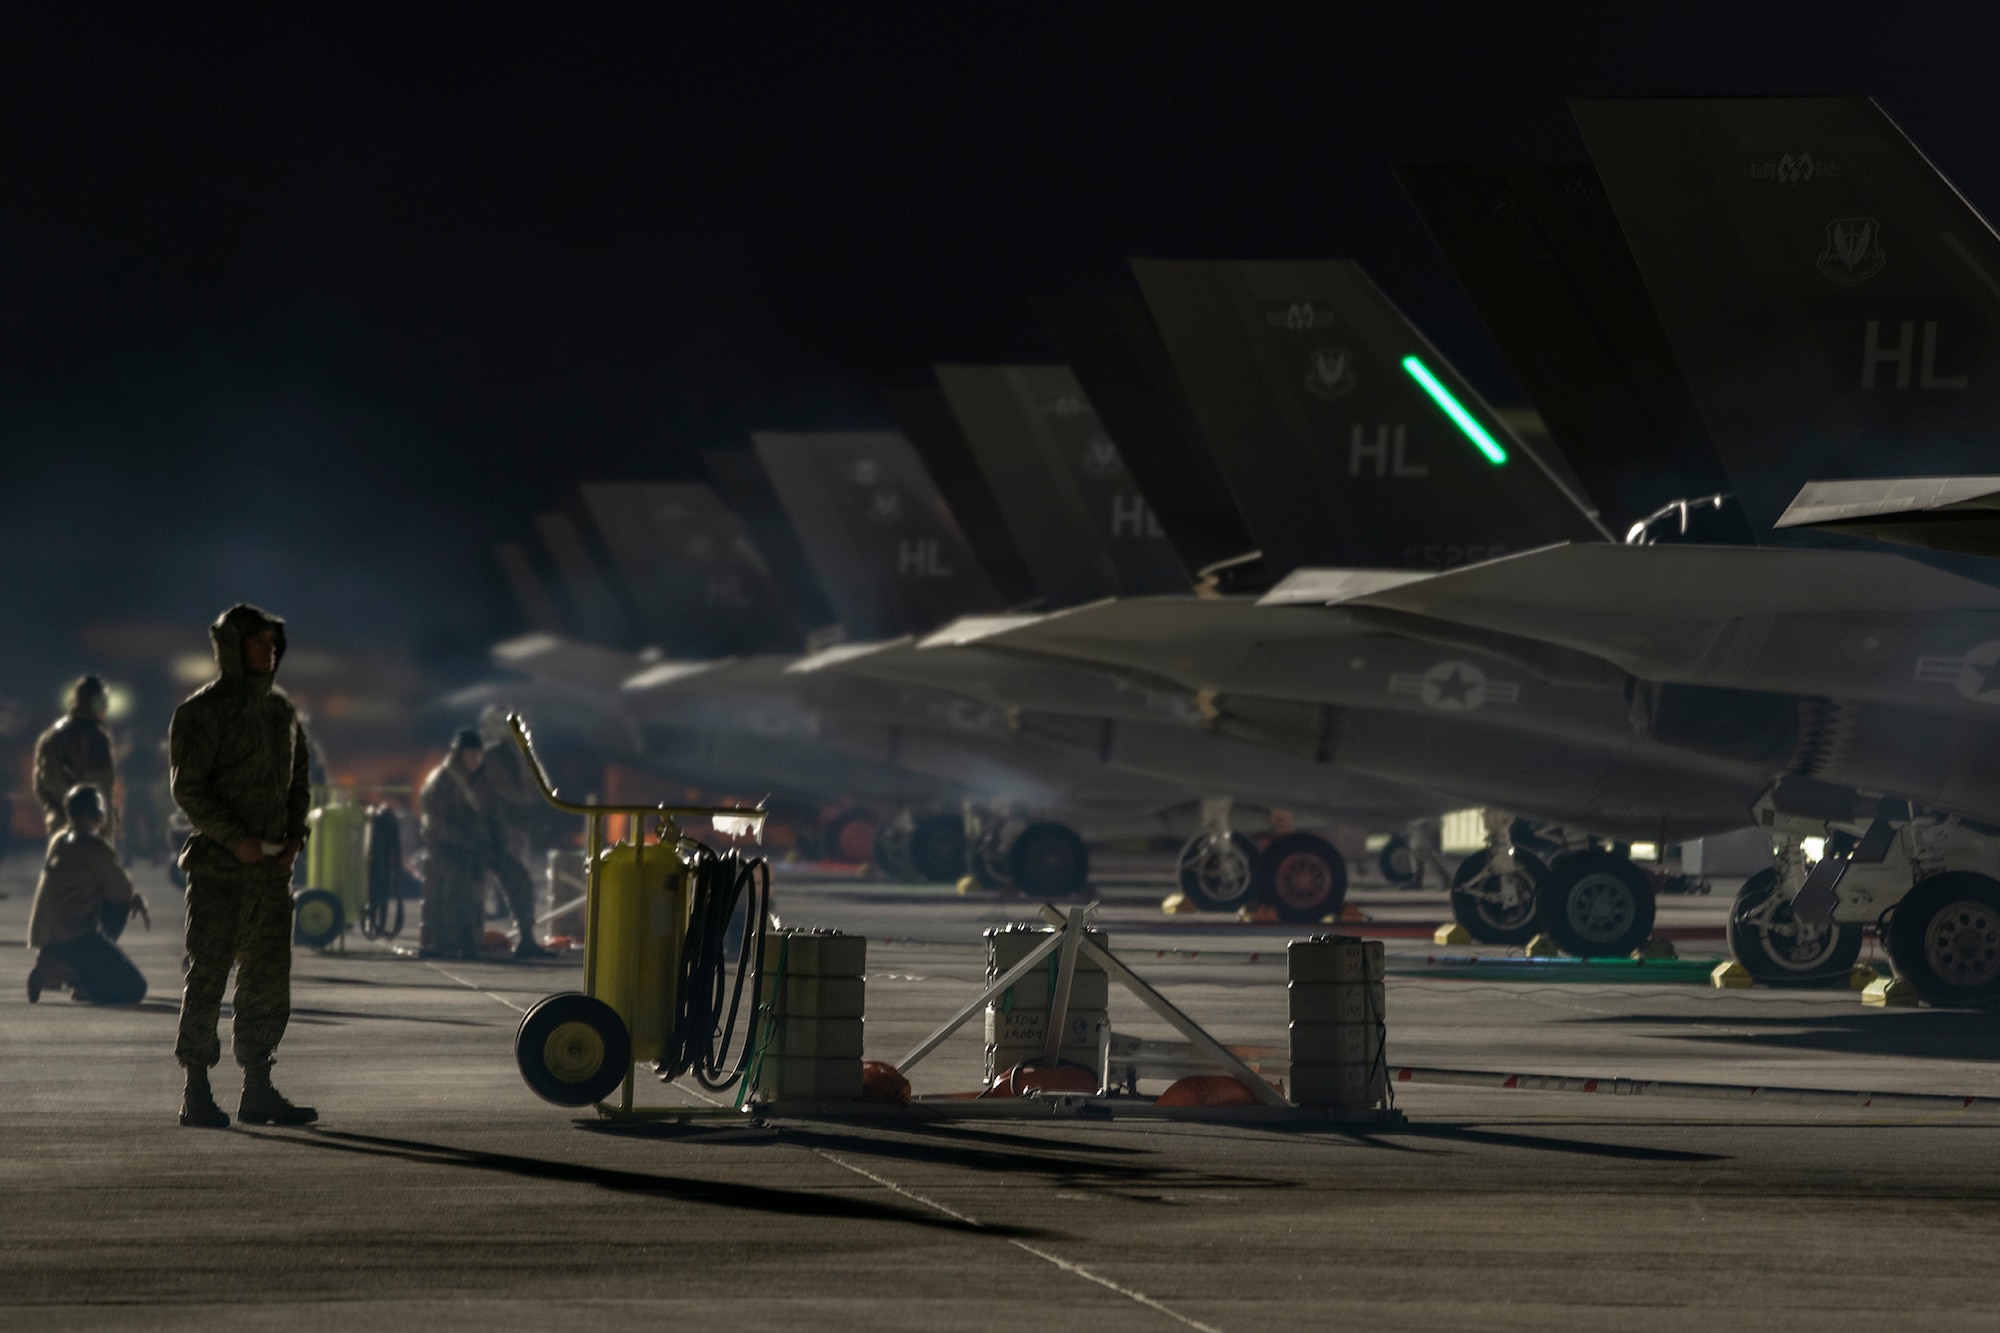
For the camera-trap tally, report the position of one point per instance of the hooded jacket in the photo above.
(75, 750)
(238, 754)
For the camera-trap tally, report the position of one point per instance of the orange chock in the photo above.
(1207, 1090)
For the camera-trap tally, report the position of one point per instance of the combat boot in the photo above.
(527, 948)
(198, 1108)
(263, 1104)
(51, 975)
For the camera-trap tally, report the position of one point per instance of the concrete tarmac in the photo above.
(438, 1193)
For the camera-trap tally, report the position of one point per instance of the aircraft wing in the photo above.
(549, 657)
(1941, 513)
(1848, 624)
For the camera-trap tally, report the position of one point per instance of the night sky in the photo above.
(311, 310)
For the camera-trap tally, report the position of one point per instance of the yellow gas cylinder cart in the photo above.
(656, 983)
(354, 871)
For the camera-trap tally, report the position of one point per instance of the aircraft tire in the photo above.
(1595, 904)
(1216, 876)
(1302, 877)
(892, 850)
(1788, 952)
(1398, 864)
(1491, 922)
(937, 848)
(1944, 937)
(1049, 860)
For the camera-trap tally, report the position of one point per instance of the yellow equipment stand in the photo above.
(575, 1049)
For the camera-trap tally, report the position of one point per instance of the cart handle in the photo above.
(668, 812)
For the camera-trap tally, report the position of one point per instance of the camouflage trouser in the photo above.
(239, 914)
(454, 903)
(455, 898)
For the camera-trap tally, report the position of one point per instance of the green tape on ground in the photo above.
(1602, 971)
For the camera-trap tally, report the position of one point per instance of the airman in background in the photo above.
(76, 751)
(466, 839)
(82, 903)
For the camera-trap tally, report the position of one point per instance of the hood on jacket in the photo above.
(235, 625)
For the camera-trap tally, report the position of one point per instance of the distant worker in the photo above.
(81, 906)
(76, 751)
(238, 755)
(466, 840)
(518, 804)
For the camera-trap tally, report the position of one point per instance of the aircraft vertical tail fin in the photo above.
(933, 429)
(745, 487)
(886, 549)
(1345, 436)
(1833, 299)
(1075, 512)
(1539, 251)
(1124, 371)
(699, 582)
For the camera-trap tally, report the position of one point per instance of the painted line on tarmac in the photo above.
(1075, 1269)
(473, 985)
(1647, 1087)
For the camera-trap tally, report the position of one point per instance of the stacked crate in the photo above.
(1017, 1020)
(811, 998)
(1338, 1028)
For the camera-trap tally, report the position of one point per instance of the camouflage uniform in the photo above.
(466, 839)
(239, 759)
(75, 750)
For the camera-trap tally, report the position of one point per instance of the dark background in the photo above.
(310, 308)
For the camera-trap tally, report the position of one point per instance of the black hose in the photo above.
(382, 912)
(703, 1031)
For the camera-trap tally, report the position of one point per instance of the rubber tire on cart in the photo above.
(850, 837)
(1944, 938)
(1398, 863)
(937, 848)
(892, 850)
(1218, 876)
(573, 1050)
(1049, 860)
(1595, 904)
(1790, 952)
(318, 917)
(1302, 877)
(1485, 921)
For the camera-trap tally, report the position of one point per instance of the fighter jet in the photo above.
(1823, 290)
(1085, 533)
(1315, 393)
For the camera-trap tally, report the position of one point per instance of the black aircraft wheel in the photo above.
(1302, 877)
(317, 918)
(937, 848)
(892, 850)
(573, 1050)
(1049, 861)
(1398, 863)
(1497, 908)
(1595, 904)
(1945, 938)
(1218, 874)
(1780, 950)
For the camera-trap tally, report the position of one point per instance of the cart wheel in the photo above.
(317, 918)
(573, 1050)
